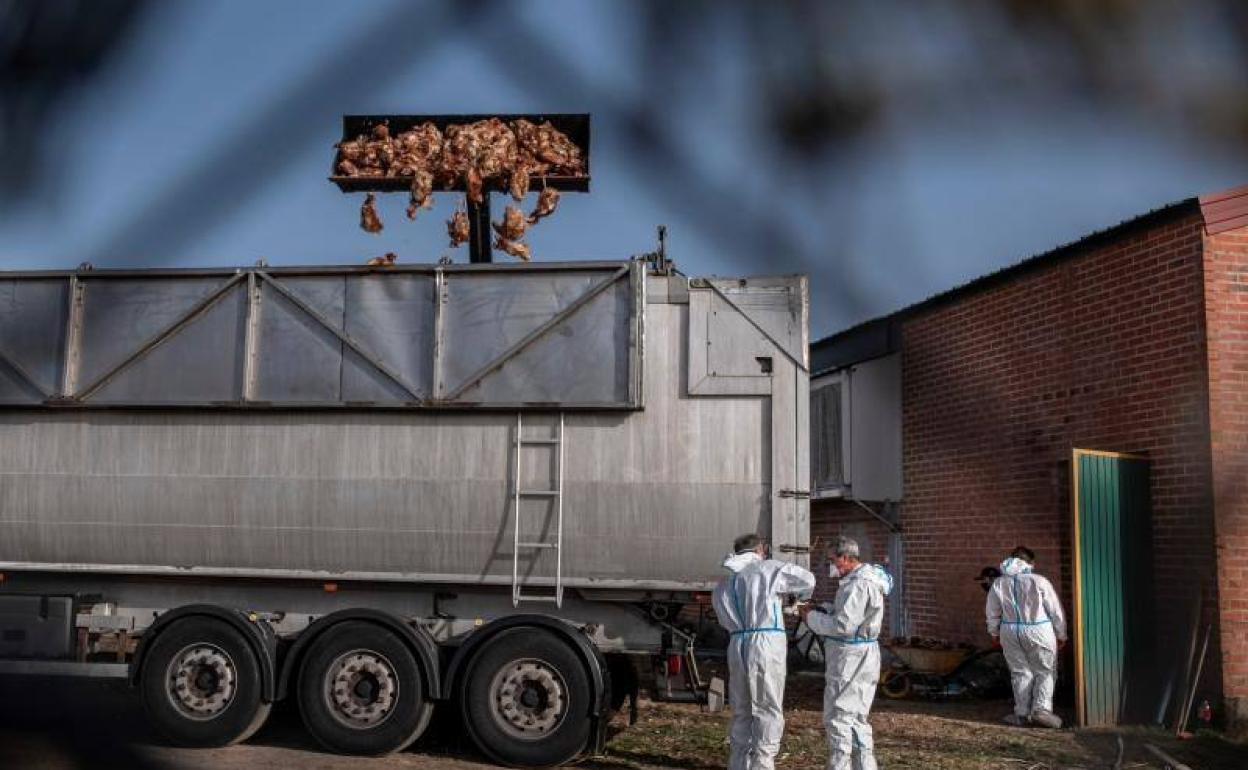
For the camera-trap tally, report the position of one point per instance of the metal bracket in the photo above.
(892, 526)
(796, 494)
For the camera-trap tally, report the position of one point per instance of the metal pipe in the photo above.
(479, 249)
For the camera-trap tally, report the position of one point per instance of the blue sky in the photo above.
(166, 157)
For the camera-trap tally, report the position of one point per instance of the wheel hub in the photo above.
(529, 698)
(202, 681)
(361, 689)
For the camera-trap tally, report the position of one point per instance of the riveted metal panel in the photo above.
(203, 362)
(569, 336)
(119, 316)
(652, 497)
(32, 332)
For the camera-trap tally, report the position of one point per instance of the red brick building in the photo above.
(1133, 339)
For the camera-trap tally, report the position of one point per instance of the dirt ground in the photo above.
(53, 724)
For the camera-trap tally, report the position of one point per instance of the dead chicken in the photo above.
(518, 184)
(514, 248)
(498, 147)
(421, 192)
(458, 229)
(547, 150)
(555, 148)
(418, 149)
(513, 225)
(369, 220)
(386, 260)
(547, 201)
(351, 154)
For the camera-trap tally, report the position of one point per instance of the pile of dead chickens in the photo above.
(476, 155)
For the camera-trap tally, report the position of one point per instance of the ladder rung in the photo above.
(539, 492)
(539, 441)
(537, 545)
(537, 598)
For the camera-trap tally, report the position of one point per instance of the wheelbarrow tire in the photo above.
(895, 685)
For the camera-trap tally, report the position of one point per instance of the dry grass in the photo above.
(908, 734)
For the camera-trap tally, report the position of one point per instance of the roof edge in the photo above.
(1094, 240)
(1225, 210)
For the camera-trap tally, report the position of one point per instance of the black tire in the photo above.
(201, 684)
(527, 663)
(896, 684)
(361, 691)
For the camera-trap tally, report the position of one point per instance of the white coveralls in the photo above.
(1025, 612)
(748, 606)
(850, 630)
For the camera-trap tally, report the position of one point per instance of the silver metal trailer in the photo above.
(377, 489)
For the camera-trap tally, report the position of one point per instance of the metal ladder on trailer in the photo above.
(519, 494)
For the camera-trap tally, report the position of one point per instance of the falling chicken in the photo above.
(518, 184)
(386, 260)
(547, 200)
(421, 192)
(458, 229)
(369, 220)
(514, 248)
(513, 225)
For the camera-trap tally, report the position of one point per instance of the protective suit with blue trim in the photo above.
(850, 629)
(748, 604)
(1024, 612)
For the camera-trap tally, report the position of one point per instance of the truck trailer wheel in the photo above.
(526, 699)
(201, 684)
(361, 691)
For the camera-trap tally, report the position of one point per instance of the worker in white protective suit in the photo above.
(850, 628)
(748, 604)
(1025, 618)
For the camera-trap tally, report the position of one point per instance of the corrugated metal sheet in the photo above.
(1111, 539)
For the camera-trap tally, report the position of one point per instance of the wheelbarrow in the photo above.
(942, 672)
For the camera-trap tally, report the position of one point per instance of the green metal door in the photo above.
(1112, 570)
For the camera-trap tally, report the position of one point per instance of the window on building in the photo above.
(827, 462)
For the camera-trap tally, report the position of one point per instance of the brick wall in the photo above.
(1226, 307)
(1104, 350)
(831, 519)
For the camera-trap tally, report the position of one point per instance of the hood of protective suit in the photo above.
(873, 573)
(739, 561)
(1014, 566)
